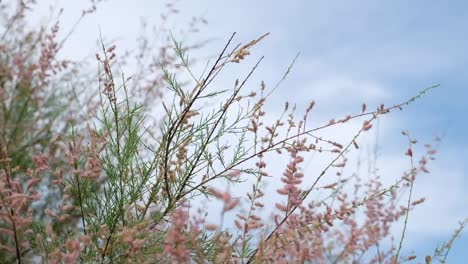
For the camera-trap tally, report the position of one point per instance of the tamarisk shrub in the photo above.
(109, 186)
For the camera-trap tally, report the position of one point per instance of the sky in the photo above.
(350, 52)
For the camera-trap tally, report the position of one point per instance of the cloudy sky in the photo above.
(350, 52)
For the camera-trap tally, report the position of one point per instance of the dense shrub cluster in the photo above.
(90, 174)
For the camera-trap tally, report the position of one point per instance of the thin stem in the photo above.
(80, 199)
(11, 212)
(208, 138)
(454, 236)
(175, 126)
(412, 175)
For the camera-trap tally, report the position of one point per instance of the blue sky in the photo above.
(351, 52)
